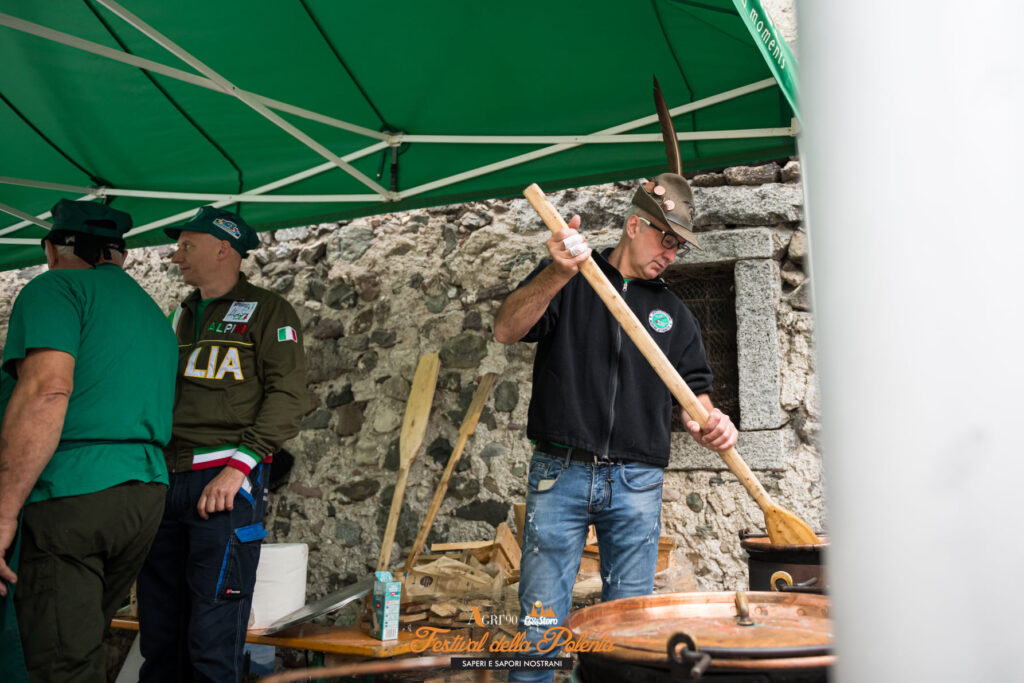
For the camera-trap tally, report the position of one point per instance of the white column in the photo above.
(914, 118)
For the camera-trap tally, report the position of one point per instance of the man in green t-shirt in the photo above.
(86, 397)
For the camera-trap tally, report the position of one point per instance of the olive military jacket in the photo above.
(241, 386)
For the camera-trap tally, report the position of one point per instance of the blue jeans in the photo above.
(195, 588)
(564, 497)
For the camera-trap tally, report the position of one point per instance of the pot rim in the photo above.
(805, 616)
(761, 543)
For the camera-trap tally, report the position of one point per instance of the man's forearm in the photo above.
(277, 421)
(704, 400)
(718, 433)
(525, 306)
(28, 438)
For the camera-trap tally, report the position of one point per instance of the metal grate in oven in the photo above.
(710, 294)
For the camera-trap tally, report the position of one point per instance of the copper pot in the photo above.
(762, 636)
(786, 568)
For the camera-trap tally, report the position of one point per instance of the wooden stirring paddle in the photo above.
(414, 425)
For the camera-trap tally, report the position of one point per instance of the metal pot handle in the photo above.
(782, 582)
(686, 661)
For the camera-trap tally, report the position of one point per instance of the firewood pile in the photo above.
(472, 586)
(461, 585)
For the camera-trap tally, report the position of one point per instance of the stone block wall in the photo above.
(373, 294)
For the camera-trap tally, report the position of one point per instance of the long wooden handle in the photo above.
(651, 351)
(389, 533)
(435, 504)
(476, 406)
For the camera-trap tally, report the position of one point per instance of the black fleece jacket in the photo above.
(592, 388)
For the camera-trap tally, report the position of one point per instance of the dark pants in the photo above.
(195, 589)
(79, 556)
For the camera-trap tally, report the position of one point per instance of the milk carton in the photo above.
(387, 594)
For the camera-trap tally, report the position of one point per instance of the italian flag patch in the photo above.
(287, 333)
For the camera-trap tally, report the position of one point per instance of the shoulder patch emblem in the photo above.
(240, 312)
(659, 320)
(287, 333)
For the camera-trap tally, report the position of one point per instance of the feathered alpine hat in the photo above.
(668, 196)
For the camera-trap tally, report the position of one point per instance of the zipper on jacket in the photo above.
(615, 378)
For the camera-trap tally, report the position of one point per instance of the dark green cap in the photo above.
(223, 225)
(92, 218)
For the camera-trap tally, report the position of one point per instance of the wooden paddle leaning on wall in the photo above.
(476, 406)
(414, 425)
(784, 528)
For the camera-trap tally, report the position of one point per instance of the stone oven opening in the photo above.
(710, 293)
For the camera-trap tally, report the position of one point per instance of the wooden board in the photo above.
(519, 515)
(506, 544)
(465, 545)
(591, 560)
(343, 640)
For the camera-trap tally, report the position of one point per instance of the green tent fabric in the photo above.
(318, 110)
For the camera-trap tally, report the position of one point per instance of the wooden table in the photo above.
(339, 644)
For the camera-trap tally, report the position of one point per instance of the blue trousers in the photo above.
(563, 498)
(195, 588)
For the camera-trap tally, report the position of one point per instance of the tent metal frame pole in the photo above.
(17, 213)
(269, 187)
(103, 191)
(225, 199)
(596, 139)
(42, 216)
(177, 74)
(19, 241)
(555, 149)
(94, 193)
(252, 102)
(230, 198)
(43, 185)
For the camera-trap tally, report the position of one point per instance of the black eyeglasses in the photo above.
(668, 240)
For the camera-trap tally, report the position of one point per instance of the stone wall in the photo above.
(375, 293)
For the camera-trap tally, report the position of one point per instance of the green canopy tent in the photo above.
(300, 112)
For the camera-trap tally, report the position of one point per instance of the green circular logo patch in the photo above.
(660, 321)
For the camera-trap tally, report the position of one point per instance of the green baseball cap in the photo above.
(223, 225)
(91, 218)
